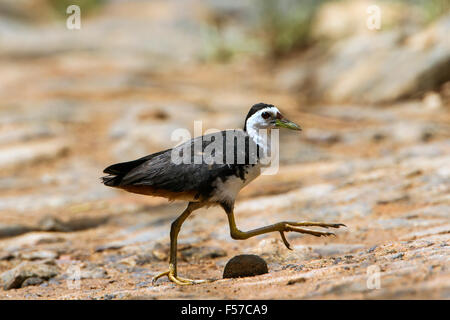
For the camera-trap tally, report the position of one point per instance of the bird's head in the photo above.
(267, 116)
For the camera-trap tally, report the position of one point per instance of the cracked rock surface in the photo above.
(383, 171)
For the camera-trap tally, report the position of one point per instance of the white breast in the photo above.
(228, 190)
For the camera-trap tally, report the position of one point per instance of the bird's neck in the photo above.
(261, 137)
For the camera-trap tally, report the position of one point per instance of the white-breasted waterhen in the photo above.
(210, 180)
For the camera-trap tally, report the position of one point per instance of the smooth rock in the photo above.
(39, 255)
(12, 230)
(378, 67)
(15, 278)
(245, 265)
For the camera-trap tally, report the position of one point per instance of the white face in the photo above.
(263, 119)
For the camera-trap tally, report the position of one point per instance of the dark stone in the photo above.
(7, 231)
(33, 281)
(15, 278)
(294, 281)
(105, 247)
(245, 265)
(6, 256)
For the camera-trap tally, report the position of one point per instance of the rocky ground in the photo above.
(384, 171)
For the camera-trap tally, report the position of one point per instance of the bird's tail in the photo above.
(118, 171)
(111, 180)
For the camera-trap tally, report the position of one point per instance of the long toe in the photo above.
(176, 279)
(311, 232)
(192, 281)
(155, 278)
(184, 281)
(316, 224)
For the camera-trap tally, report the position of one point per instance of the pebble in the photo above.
(245, 265)
(39, 255)
(398, 256)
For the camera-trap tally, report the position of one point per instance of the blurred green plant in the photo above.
(433, 9)
(224, 45)
(86, 6)
(287, 24)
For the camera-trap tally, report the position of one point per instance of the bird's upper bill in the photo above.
(266, 116)
(285, 123)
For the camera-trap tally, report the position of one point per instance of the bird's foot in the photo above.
(294, 227)
(171, 274)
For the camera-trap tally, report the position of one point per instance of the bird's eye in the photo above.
(265, 115)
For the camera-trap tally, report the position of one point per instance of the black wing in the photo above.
(160, 171)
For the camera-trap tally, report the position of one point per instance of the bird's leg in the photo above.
(174, 230)
(281, 227)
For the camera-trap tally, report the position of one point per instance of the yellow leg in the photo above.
(280, 227)
(174, 230)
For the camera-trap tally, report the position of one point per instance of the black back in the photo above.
(159, 170)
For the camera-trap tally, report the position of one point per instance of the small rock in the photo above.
(129, 261)
(398, 256)
(297, 280)
(49, 223)
(15, 278)
(294, 267)
(432, 100)
(12, 230)
(39, 255)
(160, 252)
(33, 281)
(111, 246)
(372, 249)
(245, 265)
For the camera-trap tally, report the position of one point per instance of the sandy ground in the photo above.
(382, 171)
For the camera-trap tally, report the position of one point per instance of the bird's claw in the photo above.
(286, 243)
(171, 274)
(293, 227)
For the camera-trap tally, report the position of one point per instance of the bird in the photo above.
(210, 170)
